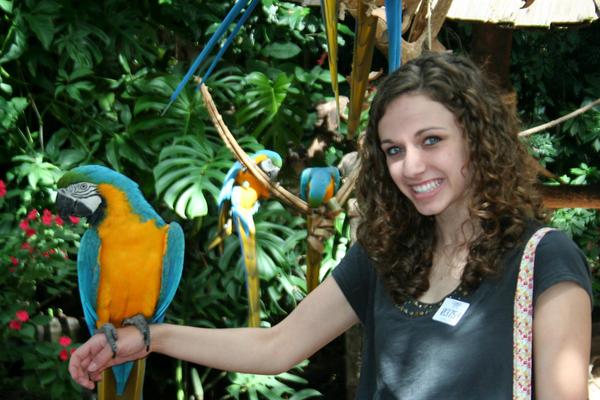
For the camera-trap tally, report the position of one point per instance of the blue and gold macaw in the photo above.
(129, 263)
(318, 187)
(329, 8)
(238, 202)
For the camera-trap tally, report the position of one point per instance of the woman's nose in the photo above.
(414, 163)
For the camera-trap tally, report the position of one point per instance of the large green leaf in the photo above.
(281, 51)
(189, 169)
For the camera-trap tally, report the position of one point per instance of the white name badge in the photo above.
(451, 311)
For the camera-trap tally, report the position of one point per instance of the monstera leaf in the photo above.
(270, 109)
(189, 169)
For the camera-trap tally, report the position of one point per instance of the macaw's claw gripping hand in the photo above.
(141, 324)
(110, 332)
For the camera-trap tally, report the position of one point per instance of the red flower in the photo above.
(73, 219)
(24, 225)
(14, 260)
(33, 214)
(27, 246)
(22, 315)
(2, 188)
(46, 217)
(59, 221)
(63, 355)
(64, 341)
(14, 325)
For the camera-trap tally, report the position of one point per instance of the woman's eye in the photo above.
(393, 151)
(431, 140)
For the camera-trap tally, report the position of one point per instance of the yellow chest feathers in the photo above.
(130, 258)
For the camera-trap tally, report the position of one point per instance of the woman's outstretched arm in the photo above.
(319, 318)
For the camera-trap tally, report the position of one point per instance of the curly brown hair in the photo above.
(398, 239)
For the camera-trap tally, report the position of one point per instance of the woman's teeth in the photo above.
(427, 187)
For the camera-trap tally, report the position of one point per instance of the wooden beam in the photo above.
(571, 196)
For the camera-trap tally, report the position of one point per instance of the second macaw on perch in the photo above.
(238, 202)
(129, 263)
(317, 187)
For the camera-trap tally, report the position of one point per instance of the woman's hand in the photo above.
(95, 355)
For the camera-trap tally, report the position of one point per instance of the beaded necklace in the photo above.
(415, 308)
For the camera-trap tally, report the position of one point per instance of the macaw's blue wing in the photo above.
(224, 228)
(171, 271)
(88, 275)
(319, 185)
(228, 182)
(231, 16)
(393, 15)
(364, 44)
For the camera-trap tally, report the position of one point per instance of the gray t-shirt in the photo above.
(417, 358)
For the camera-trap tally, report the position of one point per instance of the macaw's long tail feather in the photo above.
(248, 242)
(114, 387)
(393, 15)
(229, 40)
(364, 43)
(233, 13)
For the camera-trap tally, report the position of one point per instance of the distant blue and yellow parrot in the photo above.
(238, 201)
(317, 187)
(329, 8)
(129, 263)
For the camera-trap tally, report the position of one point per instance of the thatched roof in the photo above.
(540, 13)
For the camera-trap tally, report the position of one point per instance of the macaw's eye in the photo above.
(83, 186)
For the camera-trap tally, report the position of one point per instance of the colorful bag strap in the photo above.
(523, 320)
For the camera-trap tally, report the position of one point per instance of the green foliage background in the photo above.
(85, 82)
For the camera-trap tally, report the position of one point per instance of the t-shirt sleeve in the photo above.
(558, 259)
(355, 277)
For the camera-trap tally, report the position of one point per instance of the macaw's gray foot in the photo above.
(111, 336)
(141, 324)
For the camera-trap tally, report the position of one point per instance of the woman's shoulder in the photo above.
(559, 259)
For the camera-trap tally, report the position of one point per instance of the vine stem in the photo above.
(557, 121)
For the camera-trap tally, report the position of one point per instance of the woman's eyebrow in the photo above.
(417, 133)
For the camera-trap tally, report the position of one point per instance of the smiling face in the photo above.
(426, 155)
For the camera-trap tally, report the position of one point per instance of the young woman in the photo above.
(448, 204)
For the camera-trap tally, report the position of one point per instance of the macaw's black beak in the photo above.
(67, 206)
